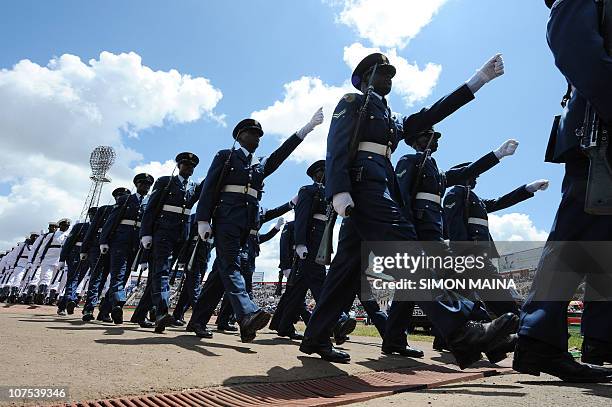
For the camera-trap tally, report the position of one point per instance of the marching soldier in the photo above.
(20, 266)
(99, 264)
(70, 257)
(119, 238)
(309, 225)
(365, 181)
(164, 229)
(422, 186)
(213, 289)
(580, 54)
(46, 263)
(230, 203)
(29, 290)
(466, 218)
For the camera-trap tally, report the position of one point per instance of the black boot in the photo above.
(39, 298)
(326, 351)
(534, 357)
(252, 323)
(475, 337)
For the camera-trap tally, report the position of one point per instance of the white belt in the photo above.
(254, 232)
(429, 197)
(320, 216)
(241, 189)
(99, 230)
(176, 209)
(78, 244)
(479, 221)
(375, 148)
(130, 222)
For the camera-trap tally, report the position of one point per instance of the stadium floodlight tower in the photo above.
(100, 160)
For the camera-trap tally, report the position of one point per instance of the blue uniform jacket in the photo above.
(305, 209)
(254, 241)
(69, 247)
(239, 208)
(91, 239)
(126, 208)
(456, 214)
(578, 48)
(434, 182)
(178, 196)
(380, 127)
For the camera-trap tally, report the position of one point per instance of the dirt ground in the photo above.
(100, 360)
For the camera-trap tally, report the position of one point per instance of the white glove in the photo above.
(286, 273)
(279, 223)
(144, 265)
(61, 264)
(508, 148)
(317, 119)
(294, 201)
(342, 201)
(104, 248)
(83, 256)
(492, 69)
(146, 241)
(539, 185)
(204, 230)
(302, 251)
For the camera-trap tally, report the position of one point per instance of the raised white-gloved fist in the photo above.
(204, 230)
(342, 201)
(146, 241)
(294, 201)
(279, 223)
(83, 256)
(317, 119)
(286, 273)
(61, 264)
(492, 69)
(506, 149)
(302, 251)
(104, 248)
(539, 185)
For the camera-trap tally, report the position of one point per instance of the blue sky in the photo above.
(250, 49)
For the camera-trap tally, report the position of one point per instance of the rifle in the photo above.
(326, 248)
(178, 259)
(594, 136)
(426, 155)
(279, 285)
(219, 185)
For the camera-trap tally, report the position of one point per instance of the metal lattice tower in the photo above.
(100, 160)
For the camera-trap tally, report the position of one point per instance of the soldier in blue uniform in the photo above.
(191, 283)
(466, 220)
(249, 254)
(77, 268)
(165, 227)
(368, 186)
(119, 238)
(99, 264)
(578, 49)
(213, 288)
(309, 225)
(230, 203)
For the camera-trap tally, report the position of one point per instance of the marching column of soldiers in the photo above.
(163, 234)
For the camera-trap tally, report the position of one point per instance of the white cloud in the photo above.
(515, 227)
(53, 116)
(411, 83)
(388, 23)
(301, 99)
(156, 169)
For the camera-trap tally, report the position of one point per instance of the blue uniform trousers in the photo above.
(544, 320)
(376, 217)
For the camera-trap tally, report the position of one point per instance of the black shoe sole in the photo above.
(535, 370)
(87, 317)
